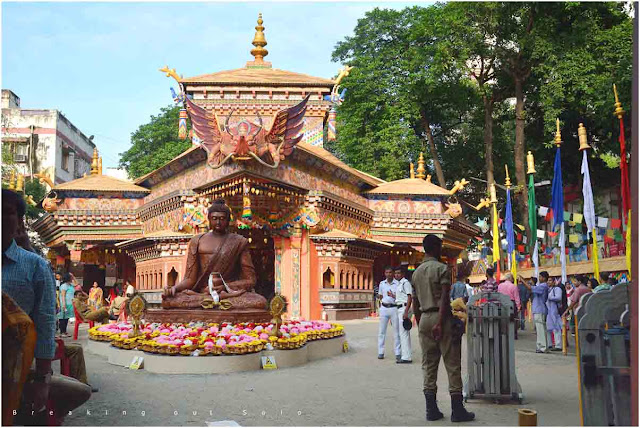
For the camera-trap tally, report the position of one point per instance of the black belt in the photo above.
(389, 305)
(430, 310)
(401, 305)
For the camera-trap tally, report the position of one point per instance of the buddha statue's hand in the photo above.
(169, 291)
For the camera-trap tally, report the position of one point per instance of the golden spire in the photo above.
(507, 181)
(558, 139)
(531, 167)
(412, 174)
(259, 41)
(94, 162)
(100, 165)
(619, 111)
(582, 137)
(421, 169)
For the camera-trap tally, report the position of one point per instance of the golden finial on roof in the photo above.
(531, 167)
(20, 183)
(421, 169)
(100, 165)
(558, 139)
(428, 178)
(412, 173)
(12, 180)
(259, 41)
(94, 162)
(619, 111)
(507, 180)
(582, 137)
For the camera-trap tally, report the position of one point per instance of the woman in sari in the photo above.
(95, 297)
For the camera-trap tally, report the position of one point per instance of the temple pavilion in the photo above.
(320, 231)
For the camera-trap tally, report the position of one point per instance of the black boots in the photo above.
(433, 413)
(458, 412)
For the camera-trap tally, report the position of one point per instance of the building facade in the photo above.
(44, 142)
(320, 231)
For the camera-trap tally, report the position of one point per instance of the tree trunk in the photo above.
(488, 154)
(434, 151)
(519, 153)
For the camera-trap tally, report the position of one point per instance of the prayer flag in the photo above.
(521, 248)
(628, 245)
(540, 234)
(616, 223)
(602, 222)
(566, 216)
(574, 238)
(533, 219)
(563, 253)
(557, 196)
(552, 234)
(519, 226)
(535, 258)
(594, 254)
(542, 211)
(508, 219)
(577, 217)
(610, 233)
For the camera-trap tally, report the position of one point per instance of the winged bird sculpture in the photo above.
(246, 140)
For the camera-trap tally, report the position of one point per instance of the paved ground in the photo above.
(352, 389)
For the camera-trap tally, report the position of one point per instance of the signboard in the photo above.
(269, 363)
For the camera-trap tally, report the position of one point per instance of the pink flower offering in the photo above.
(208, 344)
(264, 336)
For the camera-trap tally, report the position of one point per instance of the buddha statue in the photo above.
(219, 269)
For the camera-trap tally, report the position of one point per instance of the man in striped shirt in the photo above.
(491, 285)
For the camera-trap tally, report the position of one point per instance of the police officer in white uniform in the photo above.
(403, 301)
(388, 312)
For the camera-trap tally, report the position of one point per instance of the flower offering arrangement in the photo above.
(209, 339)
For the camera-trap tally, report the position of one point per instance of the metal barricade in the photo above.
(603, 354)
(491, 363)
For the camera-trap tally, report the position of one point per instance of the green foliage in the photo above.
(420, 62)
(154, 144)
(38, 191)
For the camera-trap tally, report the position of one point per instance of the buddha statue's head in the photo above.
(219, 215)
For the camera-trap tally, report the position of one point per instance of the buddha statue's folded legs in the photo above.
(189, 299)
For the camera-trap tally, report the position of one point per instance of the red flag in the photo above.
(624, 175)
(616, 223)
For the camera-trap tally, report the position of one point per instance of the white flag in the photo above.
(602, 222)
(540, 234)
(536, 263)
(587, 194)
(563, 255)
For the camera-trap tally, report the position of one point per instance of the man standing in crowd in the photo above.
(459, 288)
(28, 280)
(539, 309)
(432, 307)
(509, 289)
(403, 300)
(580, 291)
(525, 295)
(388, 313)
(491, 285)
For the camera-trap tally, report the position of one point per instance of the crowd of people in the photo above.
(37, 306)
(547, 301)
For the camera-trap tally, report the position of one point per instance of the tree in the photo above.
(154, 144)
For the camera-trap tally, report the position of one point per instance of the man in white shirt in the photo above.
(403, 300)
(130, 289)
(388, 312)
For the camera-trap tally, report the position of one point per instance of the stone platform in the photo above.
(219, 364)
(207, 315)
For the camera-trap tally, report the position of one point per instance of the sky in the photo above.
(98, 62)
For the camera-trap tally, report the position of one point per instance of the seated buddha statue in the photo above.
(219, 269)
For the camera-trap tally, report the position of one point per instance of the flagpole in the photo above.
(533, 210)
(624, 179)
(587, 194)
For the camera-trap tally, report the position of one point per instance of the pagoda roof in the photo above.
(100, 183)
(408, 186)
(327, 156)
(259, 76)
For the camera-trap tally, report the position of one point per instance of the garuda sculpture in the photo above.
(244, 140)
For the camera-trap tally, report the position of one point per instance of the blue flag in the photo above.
(557, 197)
(508, 223)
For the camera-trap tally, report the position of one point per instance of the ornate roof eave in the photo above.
(190, 157)
(340, 236)
(161, 236)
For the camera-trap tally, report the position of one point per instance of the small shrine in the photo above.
(320, 231)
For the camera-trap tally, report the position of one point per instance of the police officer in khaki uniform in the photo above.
(432, 283)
